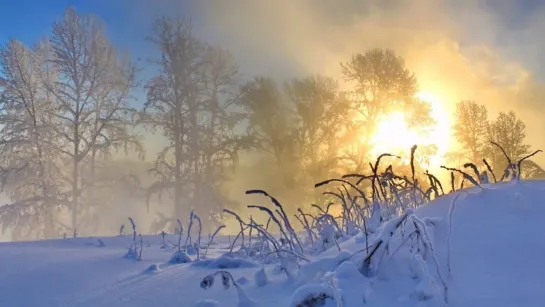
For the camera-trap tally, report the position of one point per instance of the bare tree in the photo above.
(509, 132)
(192, 102)
(320, 110)
(27, 144)
(382, 84)
(221, 137)
(91, 97)
(171, 97)
(471, 131)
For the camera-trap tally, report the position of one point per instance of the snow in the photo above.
(496, 258)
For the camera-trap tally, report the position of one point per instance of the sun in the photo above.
(394, 135)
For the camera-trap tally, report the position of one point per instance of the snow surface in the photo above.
(497, 259)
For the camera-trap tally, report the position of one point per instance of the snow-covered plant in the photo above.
(328, 230)
(141, 247)
(240, 222)
(275, 220)
(293, 239)
(133, 248)
(484, 178)
(180, 256)
(519, 163)
(314, 295)
(227, 280)
(376, 218)
(197, 245)
(304, 221)
(188, 237)
(489, 168)
(211, 239)
(180, 232)
(121, 229)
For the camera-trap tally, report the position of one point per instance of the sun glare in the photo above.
(394, 135)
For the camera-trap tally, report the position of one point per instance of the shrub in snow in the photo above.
(261, 278)
(227, 280)
(180, 257)
(328, 236)
(207, 303)
(100, 243)
(314, 295)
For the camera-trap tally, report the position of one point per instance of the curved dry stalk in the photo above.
(283, 215)
(490, 170)
(474, 168)
(519, 163)
(466, 176)
(212, 238)
(346, 182)
(503, 151)
(271, 215)
(240, 222)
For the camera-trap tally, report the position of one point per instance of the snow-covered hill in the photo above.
(497, 258)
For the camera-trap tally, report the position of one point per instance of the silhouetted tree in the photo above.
(320, 110)
(192, 102)
(471, 131)
(382, 84)
(509, 132)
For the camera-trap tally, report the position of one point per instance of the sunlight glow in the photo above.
(393, 134)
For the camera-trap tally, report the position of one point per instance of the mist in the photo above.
(486, 51)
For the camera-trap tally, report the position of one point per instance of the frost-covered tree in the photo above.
(191, 102)
(270, 121)
(91, 99)
(171, 96)
(381, 84)
(320, 114)
(471, 131)
(27, 143)
(509, 132)
(221, 137)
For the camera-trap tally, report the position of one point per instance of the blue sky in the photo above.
(505, 27)
(129, 21)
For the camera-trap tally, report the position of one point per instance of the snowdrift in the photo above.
(487, 251)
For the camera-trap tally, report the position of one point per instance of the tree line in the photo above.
(68, 106)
